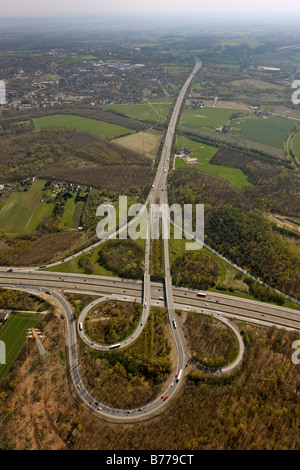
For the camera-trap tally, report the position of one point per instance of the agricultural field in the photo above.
(271, 131)
(42, 210)
(146, 143)
(22, 209)
(204, 154)
(205, 117)
(256, 84)
(98, 128)
(71, 215)
(296, 145)
(47, 77)
(156, 110)
(81, 59)
(13, 333)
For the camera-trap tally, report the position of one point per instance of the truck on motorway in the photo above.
(179, 375)
(174, 323)
(80, 326)
(114, 346)
(201, 294)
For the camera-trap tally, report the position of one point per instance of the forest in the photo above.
(236, 227)
(19, 300)
(73, 156)
(113, 321)
(125, 258)
(195, 269)
(132, 376)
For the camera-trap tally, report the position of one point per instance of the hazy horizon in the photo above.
(159, 19)
(73, 8)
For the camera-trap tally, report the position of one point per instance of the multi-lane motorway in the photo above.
(146, 292)
(185, 298)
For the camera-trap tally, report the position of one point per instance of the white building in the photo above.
(2, 92)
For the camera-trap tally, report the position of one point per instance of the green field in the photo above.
(98, 128)
(73, 265)
(205, 117)
(296, 145)
(13, 333)
(42, 210)
(156, 111)
(271, 131)
(81, 59)
(71, 215)
(18, 212)
(204, 154)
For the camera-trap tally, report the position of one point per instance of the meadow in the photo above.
(142, 142)
(20, 207)
(13, 333)
(204, 154)
(296, 145)
(156, 110)
(205, 117)
(98, 128)
(271, 131)
(71, 215)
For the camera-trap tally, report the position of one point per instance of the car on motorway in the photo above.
(165, 397)
(99, 408)
(62, 260)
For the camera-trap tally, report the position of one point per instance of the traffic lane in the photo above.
(226, 304)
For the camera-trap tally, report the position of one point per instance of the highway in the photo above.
(146, 292)
(26, 278)
(185, 298)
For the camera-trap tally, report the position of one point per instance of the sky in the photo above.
(40, 8)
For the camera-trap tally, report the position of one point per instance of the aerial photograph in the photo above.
(150, 229)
